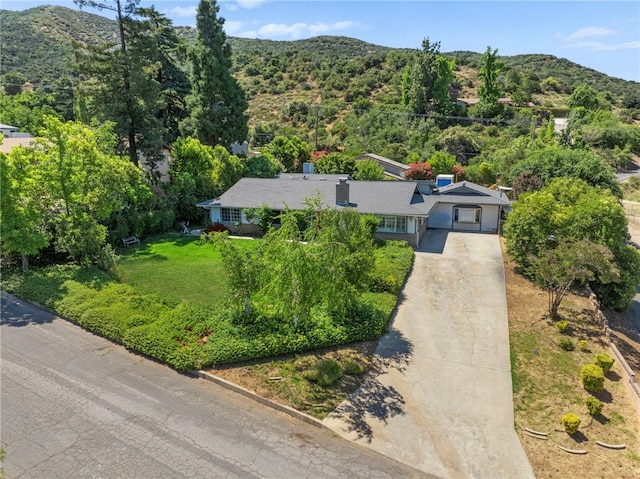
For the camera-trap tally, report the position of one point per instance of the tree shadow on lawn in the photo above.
(373, 400)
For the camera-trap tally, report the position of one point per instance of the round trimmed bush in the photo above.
(604, 361)
(563, 326)
(583, 345)
(325, 372)
(571, 423)
(353, 367)
(566, 344)
(594, 406)
(592, 377)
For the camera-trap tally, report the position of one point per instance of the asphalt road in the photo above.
(75, 405)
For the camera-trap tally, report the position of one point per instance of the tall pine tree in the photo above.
(217, 103)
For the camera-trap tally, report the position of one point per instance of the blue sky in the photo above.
(603, 35)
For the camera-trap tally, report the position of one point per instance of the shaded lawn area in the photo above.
(177, 267)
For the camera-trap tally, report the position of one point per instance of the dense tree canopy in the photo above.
(569, 210)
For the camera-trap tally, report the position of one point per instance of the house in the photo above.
(392, 169)
(9, 143)
(405, 208)
(466, 206)
(159, 168)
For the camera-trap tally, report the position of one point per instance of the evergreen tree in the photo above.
(424, 77)
(120, 83)
(217, 103)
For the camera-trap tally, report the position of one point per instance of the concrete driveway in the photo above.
(441, 399)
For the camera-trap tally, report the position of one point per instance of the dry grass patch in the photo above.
(546, 383)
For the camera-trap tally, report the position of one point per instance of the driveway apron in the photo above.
(441, 398)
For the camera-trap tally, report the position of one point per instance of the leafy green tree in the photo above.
(490, 67)
(293, 271)
(217, 102)
(195, 159)
(12, 82)
(559, 268)
(27, 110)
(244, 268)
(445, 77)
(82, 184)
(459, 142)
(368, 170)
(283, 150)
(441, 163)
(552, 161)
(336, 164)
(22, 215)
(261, 167)
(569, 210)
(584, 96)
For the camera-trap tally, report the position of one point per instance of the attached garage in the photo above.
(466, 206)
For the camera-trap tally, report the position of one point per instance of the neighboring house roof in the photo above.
(9, 143)
(399, 198)
(382, 159)
(392, 168)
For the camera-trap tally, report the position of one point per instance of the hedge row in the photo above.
(187, 336)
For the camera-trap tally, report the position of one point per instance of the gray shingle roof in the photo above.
(400, 198)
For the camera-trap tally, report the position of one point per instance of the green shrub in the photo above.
(583, 345)
(594, 406)
(353, 367)
(571, 423)
(563, 326)
(604, 361)
(325, 372)
(393, 261)
(592, 378)
(566, 344)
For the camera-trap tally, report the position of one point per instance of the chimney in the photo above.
(342, 192)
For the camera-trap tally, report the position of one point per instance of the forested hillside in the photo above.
(338, 72)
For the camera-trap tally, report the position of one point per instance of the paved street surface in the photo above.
(442, 399)
(74, 405)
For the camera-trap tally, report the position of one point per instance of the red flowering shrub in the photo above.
(419, 171)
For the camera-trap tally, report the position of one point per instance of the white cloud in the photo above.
(182, 12)
(590, 32)
(249, 4)
(604, 47)
(300, 29)
(232, 27)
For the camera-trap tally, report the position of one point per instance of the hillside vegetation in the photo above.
(286, 79)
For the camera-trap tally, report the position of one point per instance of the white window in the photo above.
(393, 224)
(466, 215)
(231, 215)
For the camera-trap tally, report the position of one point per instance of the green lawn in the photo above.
(176, 267)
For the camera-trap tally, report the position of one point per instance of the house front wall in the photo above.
(442, 217)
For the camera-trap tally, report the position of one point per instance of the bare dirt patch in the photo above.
(547, 385)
